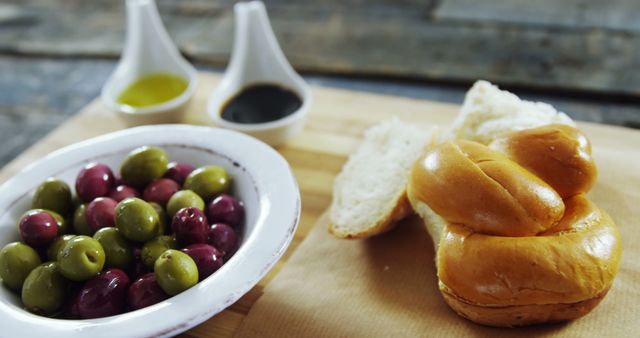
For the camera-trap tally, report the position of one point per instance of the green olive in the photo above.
(208, 182)
(175, 271)
(184, 199)
(163, 218)
(137, 220)
(53, 194)
(57, 245)
(155, 247)
(81, 258)
(116, 248)
(80, 224)
(63, 225)
(16, 261)
(144, 165)
(44, 289)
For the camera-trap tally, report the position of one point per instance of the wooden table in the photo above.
(572, 44)
(334, 128)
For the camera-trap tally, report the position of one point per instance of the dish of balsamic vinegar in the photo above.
(261, 103)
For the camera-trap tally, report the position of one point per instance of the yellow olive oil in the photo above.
(152, 89)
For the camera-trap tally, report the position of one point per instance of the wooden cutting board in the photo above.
(334, 128)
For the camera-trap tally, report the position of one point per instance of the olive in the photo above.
(160, 190)
(163, 218)
(94, 180)
(53, 194)
(145, 292)
(144, 165)
(104, 295)
(38, 228)
(207, 258)
(57, 245)
(70, 308)
(16, 261)
(225, 209)
(63, 226)
(100, 213)
(223, 238)
(208, 181)
(175, 271)
(81, 258)
(178, 172)
(44, 289)
(80, 225)
(137, 220)
(117, 249)
(190, 226)
(122, 192)
(137, 268)
(155, 247)
(184, 199)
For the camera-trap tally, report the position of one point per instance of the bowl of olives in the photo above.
(145, 232)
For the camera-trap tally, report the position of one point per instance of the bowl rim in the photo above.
(277, 220)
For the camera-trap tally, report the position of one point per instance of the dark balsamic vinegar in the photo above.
(261, 103)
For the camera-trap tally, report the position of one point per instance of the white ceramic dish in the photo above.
(258, 59)
(148, 49)
(261, 178)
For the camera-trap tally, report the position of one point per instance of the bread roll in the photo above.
(558, 154)
(511, 251)
(466, 182)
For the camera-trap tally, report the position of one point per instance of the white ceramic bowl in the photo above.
(261, 178)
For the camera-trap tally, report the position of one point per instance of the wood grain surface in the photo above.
(336, 122)
(573, 44)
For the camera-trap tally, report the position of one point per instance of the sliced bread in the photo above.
(369, 194)
(489, 113)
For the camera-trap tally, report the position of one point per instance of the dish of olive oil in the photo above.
(152, 89)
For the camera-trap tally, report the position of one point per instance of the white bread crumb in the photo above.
(489, 113)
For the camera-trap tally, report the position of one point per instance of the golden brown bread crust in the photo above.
(401, 210)
(466, 182)
(521, 315)
(563, 267)
(559, 154)
(496, 265)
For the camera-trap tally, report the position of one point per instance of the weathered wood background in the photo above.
(572, 44)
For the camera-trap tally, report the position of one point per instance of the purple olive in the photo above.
(178, 172)
(145, 292)
(207, 258)
(104, 295)
(94, 180)
(223, 238)
(122, 192)
(137, 268)
(225, 209)
(38, 228)
(70, 308)
(100, 213)
(190, 226)
(160, 191)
